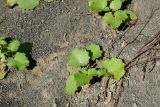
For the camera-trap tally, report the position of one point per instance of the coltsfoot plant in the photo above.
(11, 57)
(114, 14)
(81, 58)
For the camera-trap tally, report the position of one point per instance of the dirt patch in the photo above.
(54, 29)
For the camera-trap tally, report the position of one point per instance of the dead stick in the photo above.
(151, 43)
(143, 61)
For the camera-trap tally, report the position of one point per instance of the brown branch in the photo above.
(150, 44)
(143, 61)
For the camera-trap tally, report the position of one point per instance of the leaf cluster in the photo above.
(114, 15)
(81, 58)
(11, 57)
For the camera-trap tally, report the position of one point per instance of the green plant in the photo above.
(114, 15)
(11, 57)
(25, 4)
(81, 58)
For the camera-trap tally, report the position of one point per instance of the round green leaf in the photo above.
(21, 61)
(120, 14)
(116, 23)
(95, 50)
(11, 63)
(13, 46)
(108, 18)
(111, 20)
(78, 57)
(115, 5)
(115, 67)
(28, 4)
(98, 5)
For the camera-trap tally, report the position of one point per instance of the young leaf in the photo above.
(103, 72)
(115, 67)
(98, 5)
(100, 72)
(11, 63)
(2, 74)
(95, 50)
(13, 46)
(76, 80)
(120, 14)
(78, 57)
(28, 4)
(131, 14)
(71, 85)
(108, 18)
(81, 78)
(21, 61)
(92, 72)
(115, 5)
(116, 23)
(111, 20)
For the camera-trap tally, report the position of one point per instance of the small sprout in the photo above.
(10, 57)
(80, 56)
(114, 15)
(133, 17)
(19, 62)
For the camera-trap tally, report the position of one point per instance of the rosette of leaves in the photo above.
(113, 13)
(81, 58)
(10, 57)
